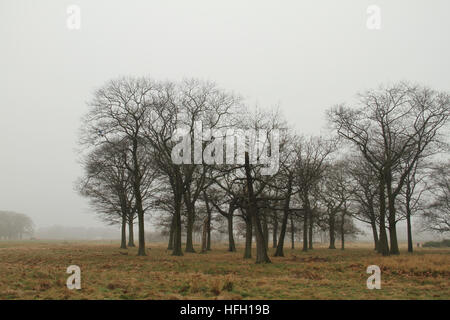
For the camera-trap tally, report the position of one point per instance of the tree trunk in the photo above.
(305, 225)
(383, 243)
(205, 236)
(265, 231)
(208, 222)
(141, 250)
(311, 226)
(279, 252)
(171, 233)
(189, 226)
(261, 248)
(408, 222)
(332, 231)
(292, 234)
(177, 219)
(393, 237)
(123, 238)
(392, 219)
(231, 244)
(375, 234)
(208, 228)
(138, 199)
(343, 232)
(274, 231)
(130, 232)
(305, 232)
(248, 238)
(408, 225)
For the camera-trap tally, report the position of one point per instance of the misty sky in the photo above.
(304, 56)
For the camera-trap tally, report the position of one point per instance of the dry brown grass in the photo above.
(36, 270)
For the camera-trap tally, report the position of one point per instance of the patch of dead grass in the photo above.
(37, 271)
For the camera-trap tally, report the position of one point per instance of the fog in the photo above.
(303, 56)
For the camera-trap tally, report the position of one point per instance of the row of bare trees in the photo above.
(157, 148)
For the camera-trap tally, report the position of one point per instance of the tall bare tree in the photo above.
(175, 112)
(365, 195)
(312, 156)
(335, 192)
(118, 112)
(108, 186)
(393, 127)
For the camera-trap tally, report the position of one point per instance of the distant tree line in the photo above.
(13, 226)
(375, 166)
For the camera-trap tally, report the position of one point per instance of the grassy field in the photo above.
(37, 270)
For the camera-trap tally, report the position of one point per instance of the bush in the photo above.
(436, 244)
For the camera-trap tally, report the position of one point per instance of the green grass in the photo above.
(37, 270)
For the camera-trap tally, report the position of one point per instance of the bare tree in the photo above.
(393, 126)
(175, 109)
(411, 197)
(312, 156)
(108, 186)
(286, 189)
(436, 215)
(118, 112)
(335, 192)
(225, 195)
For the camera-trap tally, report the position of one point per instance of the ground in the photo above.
(37, 270)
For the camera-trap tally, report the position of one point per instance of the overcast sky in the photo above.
(304, 56)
